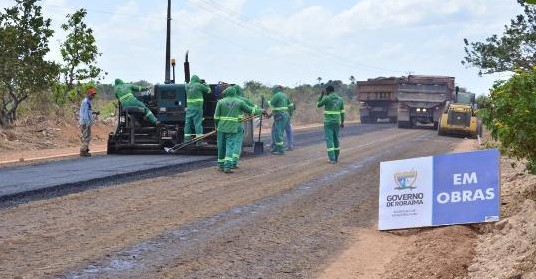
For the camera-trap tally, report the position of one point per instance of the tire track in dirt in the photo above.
(295, 240)
(133, 262)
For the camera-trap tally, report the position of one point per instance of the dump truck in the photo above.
(377, 99)
(459, 117)
(422, 100)
(167, 101)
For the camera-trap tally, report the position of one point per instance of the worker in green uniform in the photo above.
(123, 92)
(280, 106)
(333, 119)
(194, 107)
(238, 151)
(288, 129)
(226, 116)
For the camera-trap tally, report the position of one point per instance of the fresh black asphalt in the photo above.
(15, 181)
(22, 183)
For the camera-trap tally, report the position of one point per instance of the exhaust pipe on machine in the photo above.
(167, 78)
(186, 68)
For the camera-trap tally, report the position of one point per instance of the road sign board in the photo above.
(439, 190)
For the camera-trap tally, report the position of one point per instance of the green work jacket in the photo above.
(228, 114)
(333, 108)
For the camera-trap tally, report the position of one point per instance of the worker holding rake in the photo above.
(228, 126)
(238, 149)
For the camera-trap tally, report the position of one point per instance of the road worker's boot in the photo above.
(85, 154)
(84, 150)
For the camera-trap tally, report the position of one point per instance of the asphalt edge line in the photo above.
(46, 157)
(14, 199)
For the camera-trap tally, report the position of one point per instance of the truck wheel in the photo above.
(412, 122)
(110, 146)
(403, 124)
(110, 149)
(477, 132)
(440, 131)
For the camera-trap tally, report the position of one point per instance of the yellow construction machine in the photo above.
(459, 117)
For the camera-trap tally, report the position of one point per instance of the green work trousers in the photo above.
(226, 148)
(133, 102)
(238, 148)
(331, 133)
(281, 119)
(194, 116)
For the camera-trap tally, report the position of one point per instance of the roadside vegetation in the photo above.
(509, 111)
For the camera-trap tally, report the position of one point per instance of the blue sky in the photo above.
(289, 42)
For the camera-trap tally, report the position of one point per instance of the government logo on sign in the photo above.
(405, 180)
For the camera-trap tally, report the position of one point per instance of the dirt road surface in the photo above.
(291, 216)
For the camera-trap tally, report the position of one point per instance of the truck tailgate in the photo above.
(416, 92)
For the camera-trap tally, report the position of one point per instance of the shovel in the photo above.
(258, 146)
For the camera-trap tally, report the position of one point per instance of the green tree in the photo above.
(24, 37)
(105, 91)
(143, 83)
(511, 119)
(514, 49)
(337, 84)
(482, 101)
(80, 53)
(253, 86)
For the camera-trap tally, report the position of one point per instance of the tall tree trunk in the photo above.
(3, 112)
(8, 110)
(4, 121)
(13, 113)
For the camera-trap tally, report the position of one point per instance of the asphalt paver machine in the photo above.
(167, 101)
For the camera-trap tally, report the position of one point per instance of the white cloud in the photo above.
(332, 39)
(423, 36)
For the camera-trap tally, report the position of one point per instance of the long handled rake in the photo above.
(180, 146)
